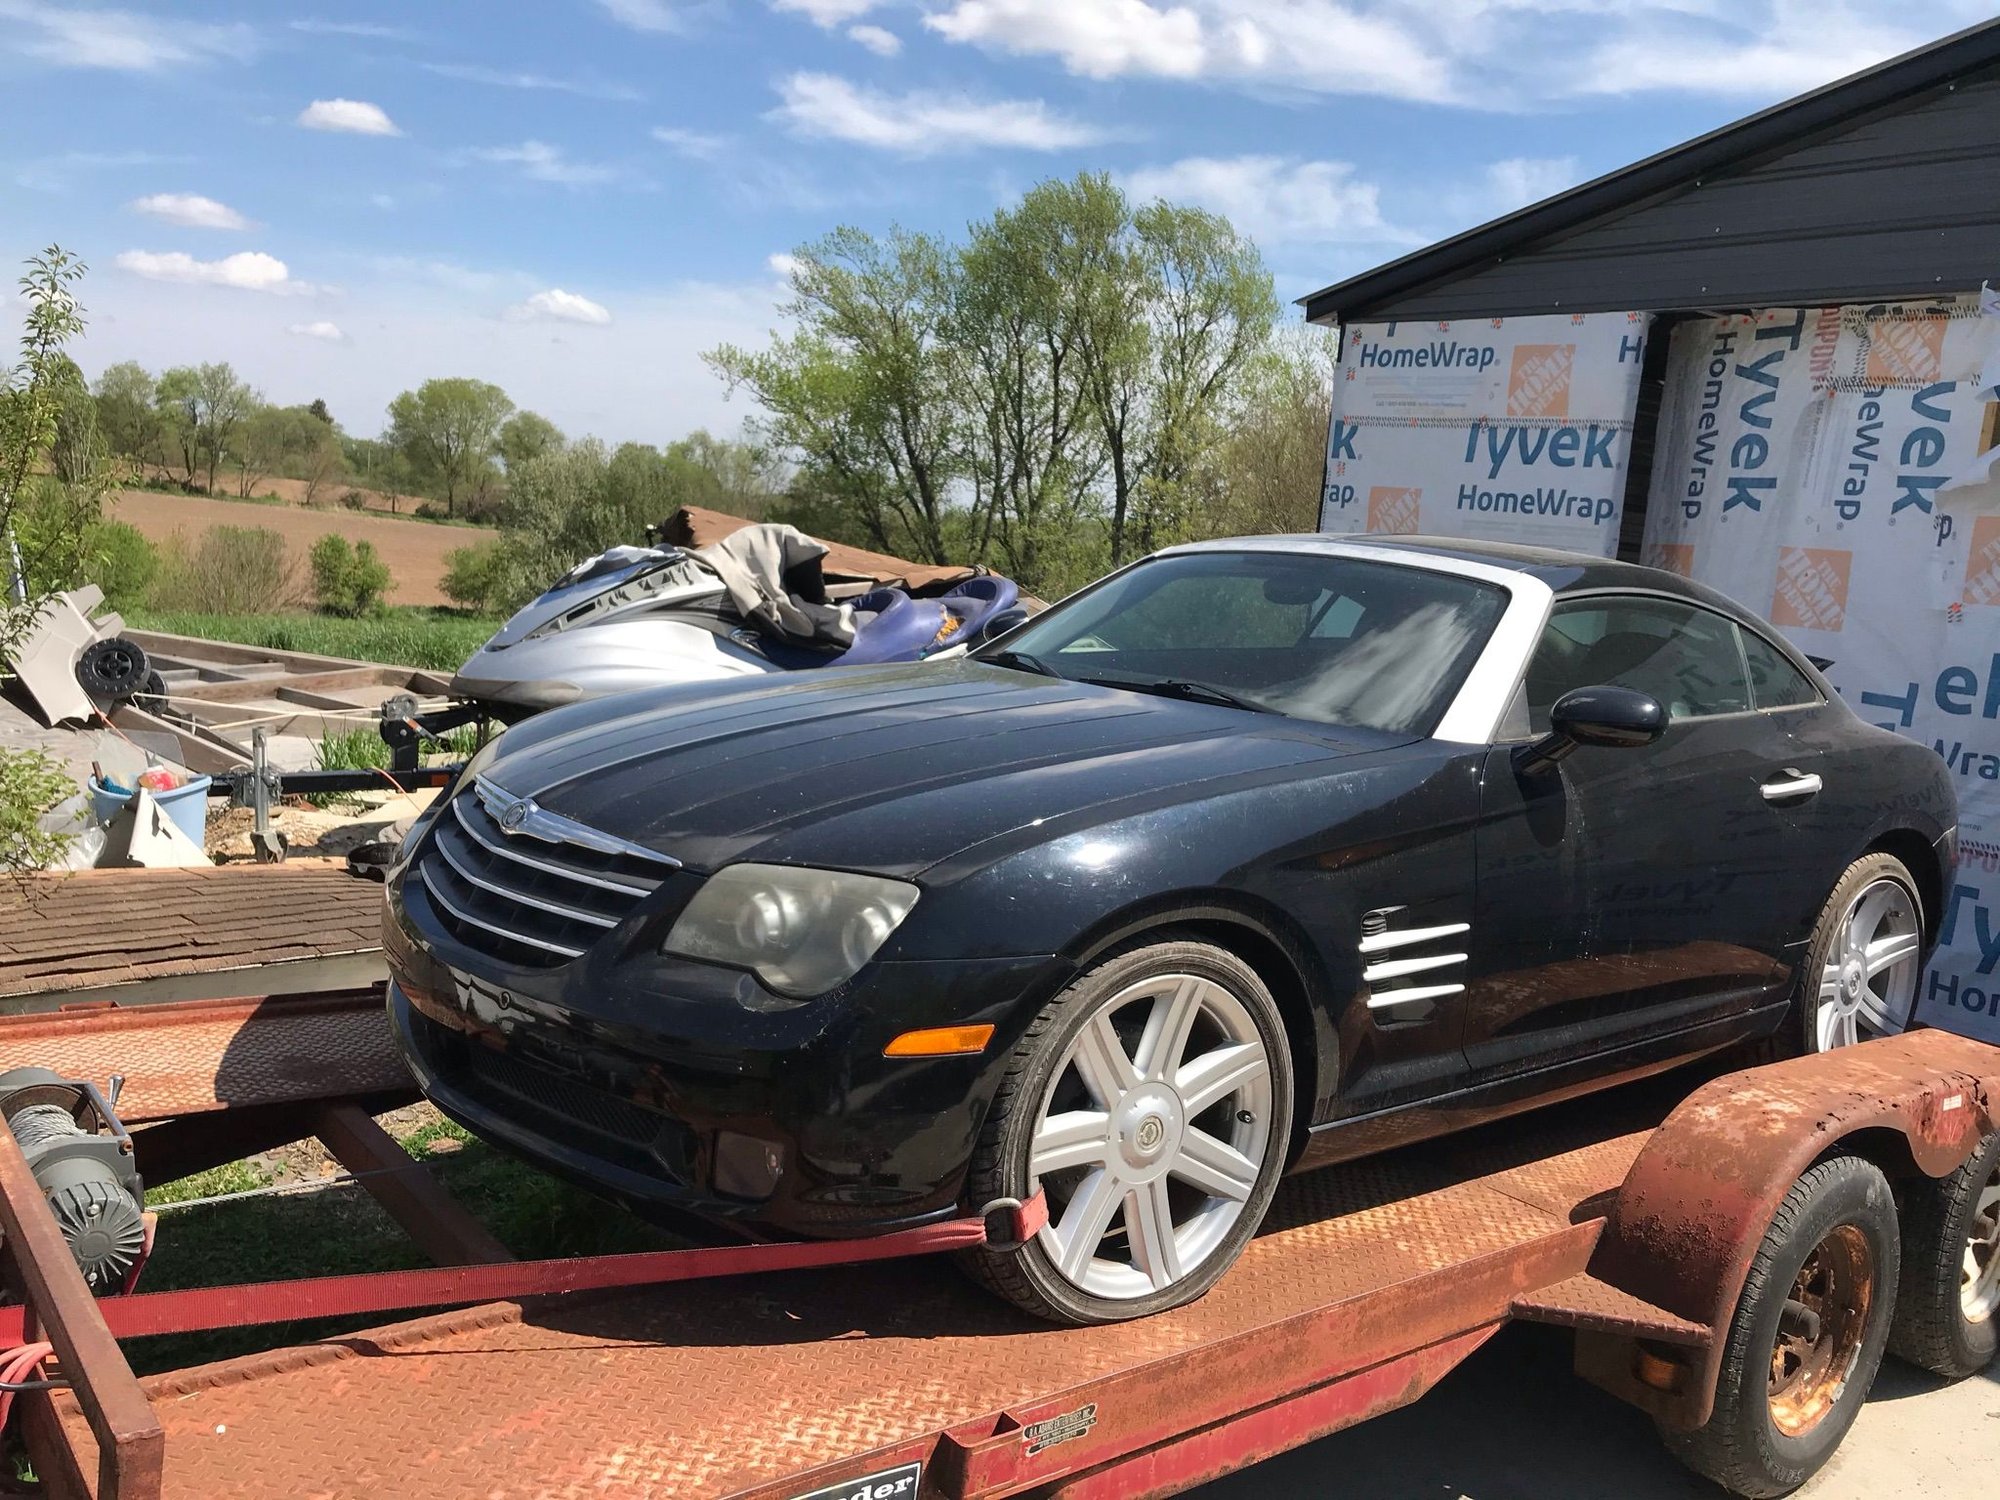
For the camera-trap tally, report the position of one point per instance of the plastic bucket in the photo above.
(186, 805)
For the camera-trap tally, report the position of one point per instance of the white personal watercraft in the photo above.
(757, 602)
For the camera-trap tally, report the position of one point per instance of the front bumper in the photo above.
(682, 1090)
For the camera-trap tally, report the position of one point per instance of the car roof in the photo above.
(1564, 572)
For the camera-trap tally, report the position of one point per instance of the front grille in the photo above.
(528, 899)
(548, 1094)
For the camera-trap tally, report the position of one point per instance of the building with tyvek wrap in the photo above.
(1767, 359)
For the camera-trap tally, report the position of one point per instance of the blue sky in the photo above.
(574, 198)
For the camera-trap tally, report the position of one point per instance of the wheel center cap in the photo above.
(1148, 1124)
(1852, 981)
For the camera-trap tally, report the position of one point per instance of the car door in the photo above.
(1628, 894)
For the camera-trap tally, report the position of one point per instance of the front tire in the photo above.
(1151, 1101)
(1807, 1337)
(1860, 976)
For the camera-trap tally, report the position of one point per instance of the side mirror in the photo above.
(1613, 718)
(1002, 621)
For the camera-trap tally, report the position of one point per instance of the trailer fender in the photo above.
(1687, 1222)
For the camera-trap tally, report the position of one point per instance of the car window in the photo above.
(1338, 640)
(1774, 681)
(1687, 658)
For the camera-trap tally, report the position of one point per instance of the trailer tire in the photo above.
(1946, 1313)
(1043, 1076)
(1830, 1262)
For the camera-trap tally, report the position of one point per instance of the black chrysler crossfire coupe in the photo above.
(1256, 854)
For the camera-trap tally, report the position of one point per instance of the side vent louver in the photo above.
(1409, 969)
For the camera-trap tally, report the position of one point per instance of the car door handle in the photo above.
(1791, 784)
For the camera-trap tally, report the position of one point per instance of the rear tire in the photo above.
(1948, 1310)
(1859, 979)
(1151, 1101)
(1808, 1334)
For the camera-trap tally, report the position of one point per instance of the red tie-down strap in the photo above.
(1005, 1224)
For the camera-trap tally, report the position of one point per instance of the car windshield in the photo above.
(1338, 640)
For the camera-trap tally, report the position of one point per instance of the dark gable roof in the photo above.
(1481, 272)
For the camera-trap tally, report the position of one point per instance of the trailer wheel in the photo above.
(1808, 1334)
(1948, 1309)
(1151, 1103)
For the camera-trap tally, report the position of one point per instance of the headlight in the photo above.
(800, 931)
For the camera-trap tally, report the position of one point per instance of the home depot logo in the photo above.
(1674, 557)
(1982, 566)
(1905, 351)
(1812, 588)
(1392, 511)
(1538, 381)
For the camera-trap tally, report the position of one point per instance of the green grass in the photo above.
(339, 1231)
(436, 639)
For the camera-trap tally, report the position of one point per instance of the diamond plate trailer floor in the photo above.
(1368, 1283)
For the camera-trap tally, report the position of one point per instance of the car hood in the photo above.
(889, 769)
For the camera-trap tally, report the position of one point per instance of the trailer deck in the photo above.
(1367, 1284)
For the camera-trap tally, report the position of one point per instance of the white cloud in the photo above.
(878, 40)
(323, 330)
(355, 116)
(541, 162)
(190, 210)
(783, 263)
(368, 30)
(1276, 199)
(1521, 180)
(695, 145)
(121, 40)
(1503, 55)
(827, 13)
(566, 307)
(587, 88)
(923, 123)
(644, 15)
(247, 270)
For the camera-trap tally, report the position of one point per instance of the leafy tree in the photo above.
(127, 414)
(726, 474)
(42, 518)
(261, 447)
(348, 580)
(317, 410)
(314, 454)
(527, 435)
(120, 561)
(201, 407)
(77, 452)
(177, 404)
(867, 392)
(447, 430)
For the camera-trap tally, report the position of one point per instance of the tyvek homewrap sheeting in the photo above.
(1830, 468)
(1505, 429)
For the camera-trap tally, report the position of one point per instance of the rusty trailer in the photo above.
(1634, 1221)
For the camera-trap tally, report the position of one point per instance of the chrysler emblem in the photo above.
(515, 813)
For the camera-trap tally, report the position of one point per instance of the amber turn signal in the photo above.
(940, 1041)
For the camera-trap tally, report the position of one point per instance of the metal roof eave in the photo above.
(1914, 72)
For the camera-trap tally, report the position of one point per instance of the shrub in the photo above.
(31, 783)
(354, 499)
(121, 562)
(349, 580)
(486, 577)
(231, 570)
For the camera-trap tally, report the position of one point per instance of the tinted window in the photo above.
(1685, 657)
(1774, 681)
(1339, 640)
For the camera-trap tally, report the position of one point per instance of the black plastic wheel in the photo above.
(152, 694)
(1808, 1335)
(113, 670)
(1948, 1310)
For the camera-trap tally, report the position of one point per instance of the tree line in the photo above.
(1077, 381)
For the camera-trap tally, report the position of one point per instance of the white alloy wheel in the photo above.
(1868, 979)
(1152, 1136)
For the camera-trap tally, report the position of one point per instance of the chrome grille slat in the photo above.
(452, 908)
(603, 882)
(506, 893)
